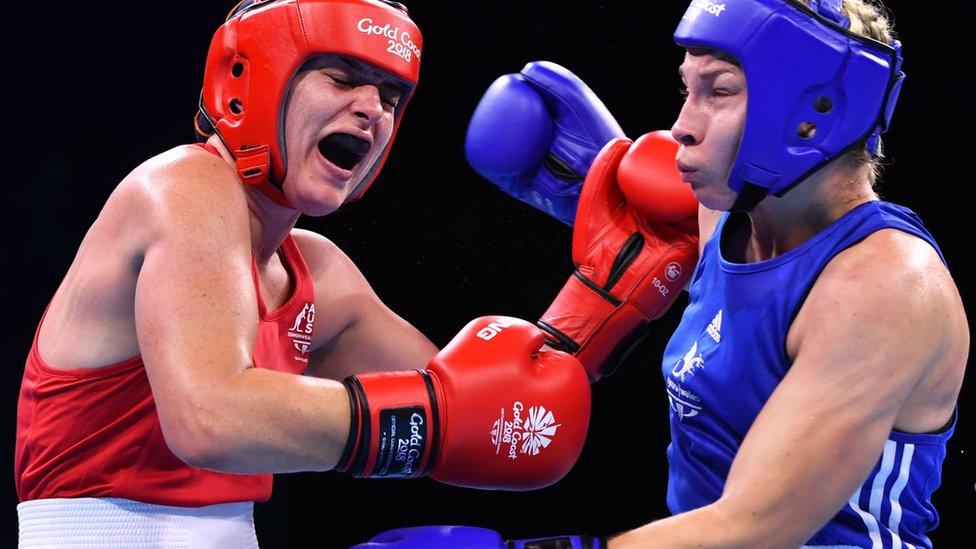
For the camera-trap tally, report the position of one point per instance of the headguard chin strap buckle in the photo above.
(253, 164)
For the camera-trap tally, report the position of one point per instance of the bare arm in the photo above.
(196, 319)
(369, 337)
(872, 326)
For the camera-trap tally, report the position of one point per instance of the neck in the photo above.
(270, 222)
(779, 225)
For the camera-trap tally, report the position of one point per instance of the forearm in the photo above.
(706, 527)
(383, 345)
(262, 421)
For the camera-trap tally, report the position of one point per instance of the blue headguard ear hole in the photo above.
(806, 130)
(823, 105)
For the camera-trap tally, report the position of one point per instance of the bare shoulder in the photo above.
(890, 274)
(340, 287)
(890, 263)
(324, 257)
(180, 185)
(890, 301)
(180, 197)
(334, 272)
(319, 252)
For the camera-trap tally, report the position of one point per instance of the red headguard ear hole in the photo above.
(237, 70)
(236, 106)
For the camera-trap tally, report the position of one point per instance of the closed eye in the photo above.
(342, 83)
(389, 96)
(391, 99)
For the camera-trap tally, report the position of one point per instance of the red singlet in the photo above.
(95, 432)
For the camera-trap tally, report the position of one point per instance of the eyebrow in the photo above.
(710, 74)
(384, 82)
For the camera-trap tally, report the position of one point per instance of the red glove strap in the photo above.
(394, 431)
(634, 251)
(591, 323)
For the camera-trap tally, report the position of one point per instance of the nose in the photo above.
(687, 129)
(367, 105)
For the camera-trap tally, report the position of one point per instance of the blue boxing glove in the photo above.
(468, 537)
(535, 134)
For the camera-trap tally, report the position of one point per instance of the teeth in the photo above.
(343, 150)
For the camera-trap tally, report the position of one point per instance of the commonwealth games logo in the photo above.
(528, 435)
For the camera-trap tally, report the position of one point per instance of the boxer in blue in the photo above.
(814, 376)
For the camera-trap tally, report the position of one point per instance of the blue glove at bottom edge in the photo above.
(470, 537)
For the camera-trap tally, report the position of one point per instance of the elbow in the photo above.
(194, 440)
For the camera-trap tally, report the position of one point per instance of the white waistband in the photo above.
(118, 522)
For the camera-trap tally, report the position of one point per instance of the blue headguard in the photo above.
(815, 89)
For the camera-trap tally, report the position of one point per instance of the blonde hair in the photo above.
(869, 18)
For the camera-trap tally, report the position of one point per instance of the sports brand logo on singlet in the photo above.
(715, 328)
(528, 435)
(697, 7)
(683, 400)
(301, 331)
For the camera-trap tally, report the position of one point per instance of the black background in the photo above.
(94, 88)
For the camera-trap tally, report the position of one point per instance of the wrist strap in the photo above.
(395, 425)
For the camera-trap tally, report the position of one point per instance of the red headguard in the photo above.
(255, 55)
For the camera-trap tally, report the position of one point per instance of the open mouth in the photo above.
(343, 150)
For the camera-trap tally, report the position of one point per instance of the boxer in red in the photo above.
(163, 386)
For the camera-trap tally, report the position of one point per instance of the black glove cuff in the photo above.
(556, 339)
(353, 458)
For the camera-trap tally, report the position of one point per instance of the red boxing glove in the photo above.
(491, 411)
(635, 245)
